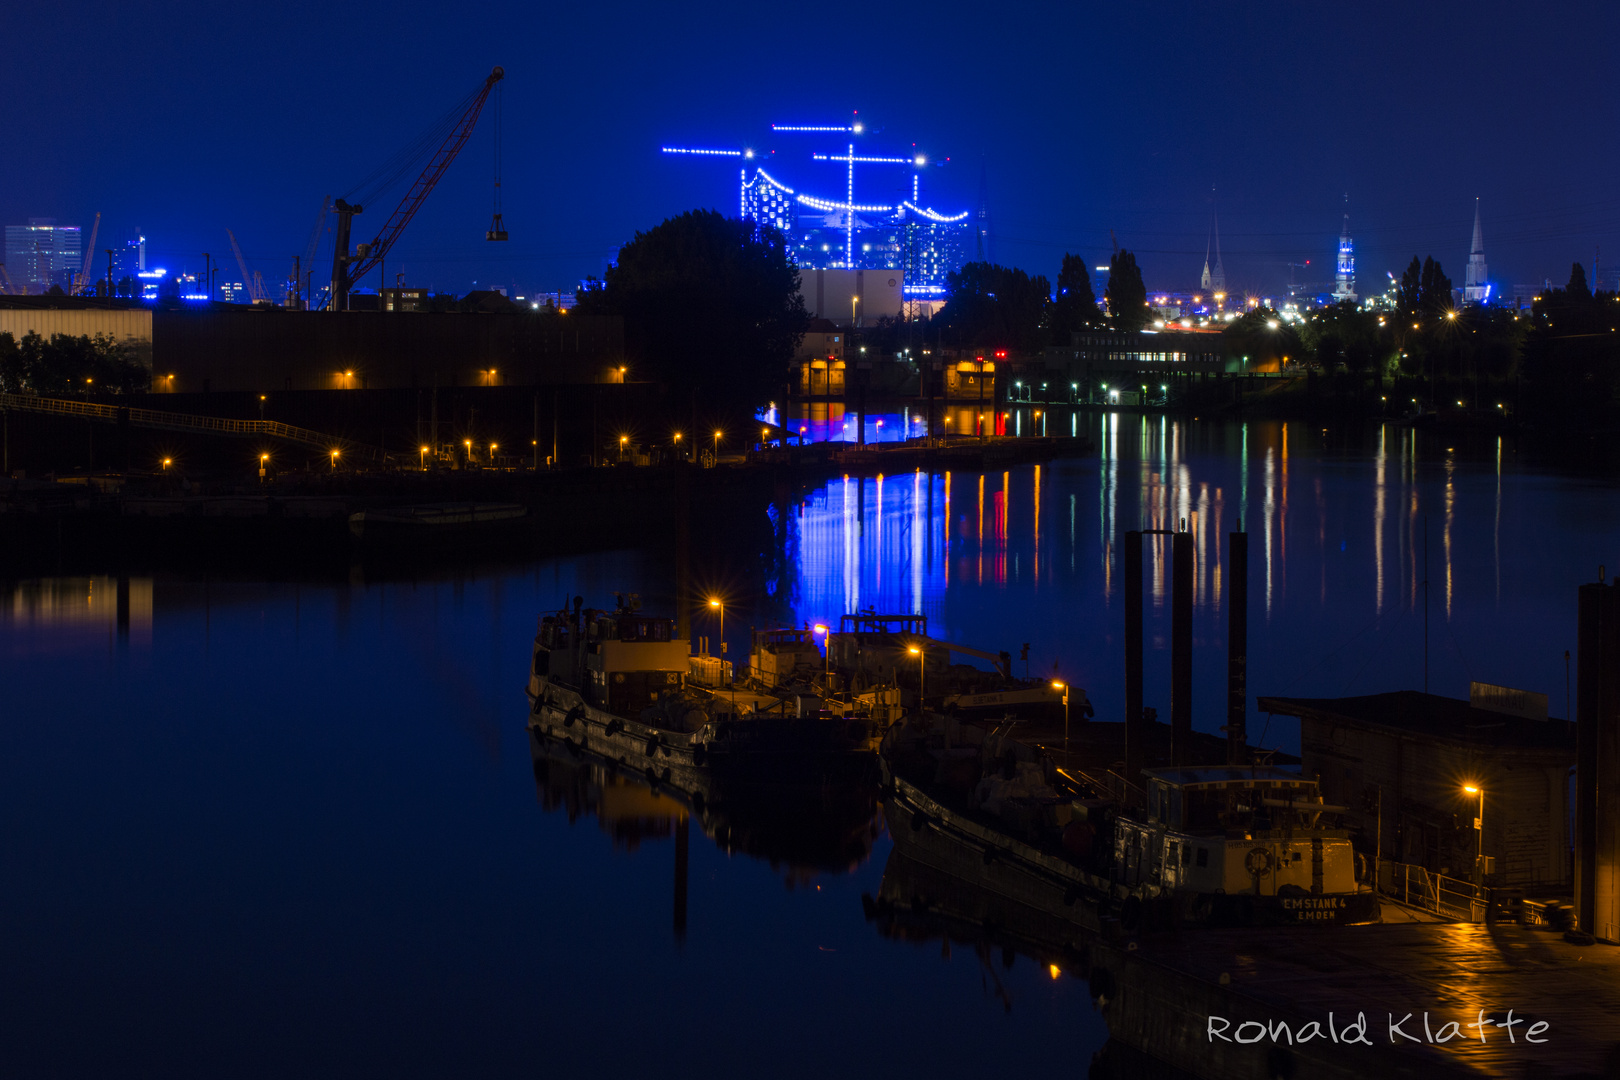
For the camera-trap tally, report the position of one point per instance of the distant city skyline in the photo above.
(1078, 139)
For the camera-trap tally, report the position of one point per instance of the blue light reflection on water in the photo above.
(1344, 532)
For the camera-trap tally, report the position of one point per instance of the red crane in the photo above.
(347, 268)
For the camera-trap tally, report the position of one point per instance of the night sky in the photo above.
(184, 120)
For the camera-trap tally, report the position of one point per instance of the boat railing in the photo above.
(1113, 785)
(1443, 895)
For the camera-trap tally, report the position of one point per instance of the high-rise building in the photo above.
(1344, 281)
(41, 254)
(1476, 287)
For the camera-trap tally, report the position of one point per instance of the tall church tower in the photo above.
(1344, 282)
(1476, 289)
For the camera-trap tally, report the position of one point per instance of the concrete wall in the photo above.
(1428, 819)
(830, 294)
(134, 324)
(269, 350)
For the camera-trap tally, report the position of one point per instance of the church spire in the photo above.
(1476, 287)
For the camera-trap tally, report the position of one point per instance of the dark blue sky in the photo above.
(188, 119)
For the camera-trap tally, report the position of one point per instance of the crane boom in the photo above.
(82, 278)
(255, 290)
(347, 268)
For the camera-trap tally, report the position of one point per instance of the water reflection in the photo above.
(974, 551)
(829, 832)
(73, 611)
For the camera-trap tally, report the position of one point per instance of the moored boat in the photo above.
(614, 684)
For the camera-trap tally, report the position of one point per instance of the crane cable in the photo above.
(497, 228)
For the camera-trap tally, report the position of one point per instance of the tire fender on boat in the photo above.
(700, 754)
(576, 713)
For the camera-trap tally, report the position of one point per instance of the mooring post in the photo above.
(1237, 649)
(1135, 726)
(1181, 554)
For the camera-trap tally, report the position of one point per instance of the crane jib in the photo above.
(343, 273)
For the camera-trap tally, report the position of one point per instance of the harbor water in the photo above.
(297, 827)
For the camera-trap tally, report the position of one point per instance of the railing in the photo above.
(171, 421)
(1111, 784)
(1448, 897)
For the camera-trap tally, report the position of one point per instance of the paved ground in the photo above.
(1451, 971)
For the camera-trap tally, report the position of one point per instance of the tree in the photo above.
(1127, 296)
(1075, 305)
(1434, 290)
(1576, 289)
(1342, 333)
(1408, 295)
(998, 307)
(66, 364)
(711, 305)
(1264, 338)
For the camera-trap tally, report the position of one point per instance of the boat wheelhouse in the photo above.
(1237, 844)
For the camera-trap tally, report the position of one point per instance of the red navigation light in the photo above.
(1001, 354)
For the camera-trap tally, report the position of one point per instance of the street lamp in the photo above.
(717, 446)
(623, 439)
(334, 460)
(826, 665)
(922, 674)
(1479, 829)
(424, 459)
(166, 462)
(1063, 686)
(492, 448)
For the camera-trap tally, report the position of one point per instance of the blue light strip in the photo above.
(932, 215)
(822, 204)
(705, 153)
(774, 182)
(801, 127)
(862, 160)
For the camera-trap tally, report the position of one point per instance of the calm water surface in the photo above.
(296, 829)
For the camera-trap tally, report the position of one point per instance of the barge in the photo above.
(614, 685)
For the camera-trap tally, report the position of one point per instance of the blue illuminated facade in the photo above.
(843, 234)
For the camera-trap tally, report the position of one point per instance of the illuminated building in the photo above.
(1344, 282)
(1476, 288)
(41, 254)
(835, 233)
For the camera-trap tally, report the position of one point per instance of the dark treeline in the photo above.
(65, 364)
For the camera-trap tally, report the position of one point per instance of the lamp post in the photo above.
(1479, 829)
(717, 447)
(826, 656)
(334, 460)
(623, 439)
(424, 458)
(922, 674)
(720, 606)
(264, 466)
(1057, 685)
(468, 444)
(492, 448)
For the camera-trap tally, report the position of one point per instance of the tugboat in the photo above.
(1215, 846)
(613, 684)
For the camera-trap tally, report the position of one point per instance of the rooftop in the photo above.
(1410, 712)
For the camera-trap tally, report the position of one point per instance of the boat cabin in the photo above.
(1229, 830)
(620, 660)
(780, 657)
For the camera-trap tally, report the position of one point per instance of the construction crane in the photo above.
(5, 280)
(82, 277)
(252, 282)
(348, 268)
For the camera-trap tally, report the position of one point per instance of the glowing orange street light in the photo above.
(1479, 829)
(424, 459)
(166, 462)
(717, 446)
(334, 460)
(1063, 686)
(922, 674)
